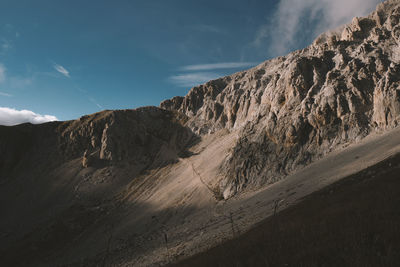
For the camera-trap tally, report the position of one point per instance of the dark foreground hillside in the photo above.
(355, 222)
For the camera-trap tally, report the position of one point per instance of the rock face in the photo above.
(136, 136)
(292, 110)
(142, 137)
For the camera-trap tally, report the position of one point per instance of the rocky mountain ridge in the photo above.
(135, 135)
(287, 112)
(292, 110)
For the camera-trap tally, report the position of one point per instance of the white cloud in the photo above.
(193, 79)
(10, 116)
(5, 94)
(225, 65)
(295, 18)
(61, 70)
(2, 73)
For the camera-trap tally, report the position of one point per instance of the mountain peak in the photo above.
(291, 110)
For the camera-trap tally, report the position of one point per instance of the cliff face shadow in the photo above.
(65, 239)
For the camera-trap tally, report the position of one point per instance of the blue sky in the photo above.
(70, 58)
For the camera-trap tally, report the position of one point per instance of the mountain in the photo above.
(292, 110)
(154, 185)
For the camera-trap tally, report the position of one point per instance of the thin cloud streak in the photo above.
(5, 94)
(286, 26)
(62, 70)
(193, 79)
(10, 116)
(91, 99)
(2, 73)
(224, 65)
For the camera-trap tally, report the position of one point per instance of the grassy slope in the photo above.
(355, 222)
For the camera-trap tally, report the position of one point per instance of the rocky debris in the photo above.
(292, 110)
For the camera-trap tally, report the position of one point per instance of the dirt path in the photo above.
(197, 174)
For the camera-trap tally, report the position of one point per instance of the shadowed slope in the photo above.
(354, 222)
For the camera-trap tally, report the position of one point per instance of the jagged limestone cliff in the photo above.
(292, 110)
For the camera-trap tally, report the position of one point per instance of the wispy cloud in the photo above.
(5, 46)
(61, 70)
(225, 65)
(2, 73)
(193, 79)
(294, 19)
(201, 73)
(5, 94)
(8, 38)
(10, 116)
(91, 99)
(94, 101)
(11, 81)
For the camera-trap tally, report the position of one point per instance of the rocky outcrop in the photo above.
(145, 137)
(136, 136)
(292, 110)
